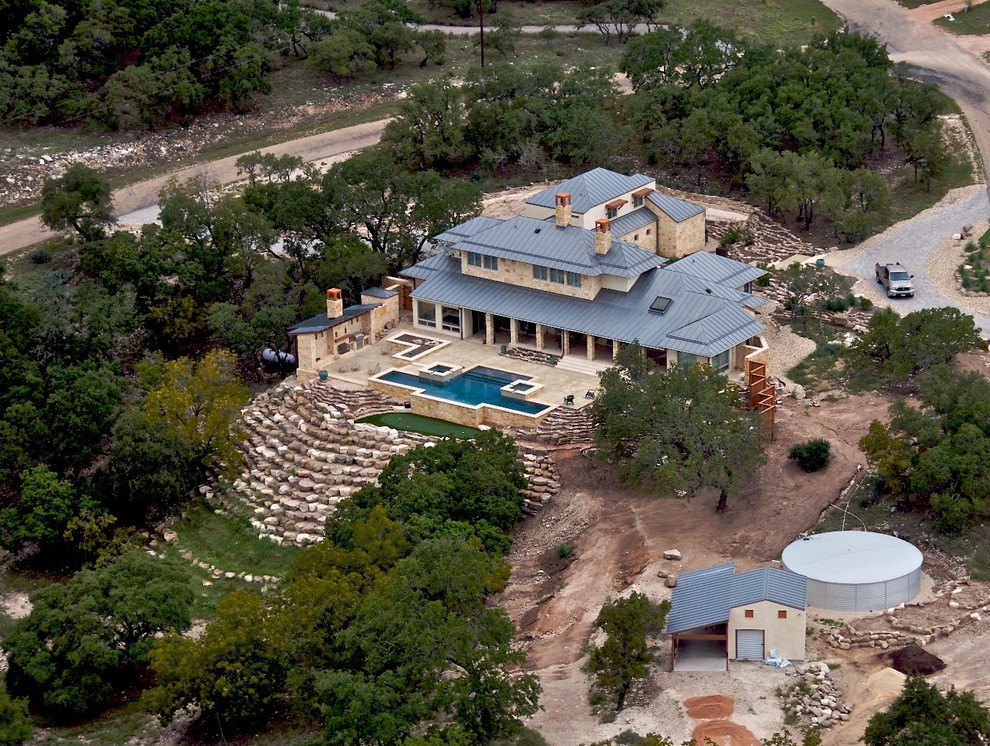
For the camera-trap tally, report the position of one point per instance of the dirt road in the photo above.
(934, 55)
(326, 147)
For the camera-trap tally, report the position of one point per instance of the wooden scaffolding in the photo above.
(762, 398)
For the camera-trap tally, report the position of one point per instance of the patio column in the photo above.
(539, 337)
(489, 329)
(514, 331)
(565, 342)
(615, 349)
(591, 346)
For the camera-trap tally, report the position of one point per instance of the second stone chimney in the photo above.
(563, 203)
(335, 303)
(603, 236)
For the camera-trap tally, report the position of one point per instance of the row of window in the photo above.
(477, 260)
(549, 274)
(781, 613)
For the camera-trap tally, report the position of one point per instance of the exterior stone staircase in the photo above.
(565, 426)
(305, 453)
(577, 363)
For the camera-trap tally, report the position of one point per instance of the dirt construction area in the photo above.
(618, 537)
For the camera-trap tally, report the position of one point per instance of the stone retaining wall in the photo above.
(305, 453)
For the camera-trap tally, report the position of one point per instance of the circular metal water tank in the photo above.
(856, 570)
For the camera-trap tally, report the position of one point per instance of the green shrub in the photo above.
(837, 304)
(40, 257)
(865, 304)
(813, 455)
(564, 550)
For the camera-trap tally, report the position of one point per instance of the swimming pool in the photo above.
(476, 386)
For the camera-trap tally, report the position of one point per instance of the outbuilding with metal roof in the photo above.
(719, 615)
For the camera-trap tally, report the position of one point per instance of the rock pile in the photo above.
(814, 695)
(532, 356)
(899, 633)
(305, 453)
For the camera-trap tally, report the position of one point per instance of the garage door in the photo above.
(749, 644)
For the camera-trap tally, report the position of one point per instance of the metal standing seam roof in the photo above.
(379, 293)
(322, 321)
(639, 218)
(677, 209)
(716, 268)
(852, 557)
(466, 229)
(703, 318)
(590, 189)
(570, 248)
(706, 596)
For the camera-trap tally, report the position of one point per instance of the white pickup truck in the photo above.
(896, 279)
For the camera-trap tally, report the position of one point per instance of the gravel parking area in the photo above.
(924, 244)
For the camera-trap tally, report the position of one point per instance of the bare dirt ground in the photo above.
(618, 536)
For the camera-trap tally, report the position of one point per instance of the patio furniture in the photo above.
(589, 394)
(569, 400)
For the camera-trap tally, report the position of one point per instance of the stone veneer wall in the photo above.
(681, 239)
(521, 274)
(305, 453)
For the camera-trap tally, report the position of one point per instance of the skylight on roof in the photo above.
(660, 304)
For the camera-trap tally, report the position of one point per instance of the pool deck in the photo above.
(358, 367)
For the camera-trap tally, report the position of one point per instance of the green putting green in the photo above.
(416, 423)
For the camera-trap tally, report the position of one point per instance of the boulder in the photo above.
(672, 554)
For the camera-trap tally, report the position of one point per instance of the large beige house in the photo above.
(581, 273)
(723, 615)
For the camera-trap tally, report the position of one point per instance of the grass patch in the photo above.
(908, 199)
(821, 369)
(778, 21)
(975, 21)
(29, 275)
(782, 22)
(916, 3)
(226, 542)
(18, 212)
(113, 728)
(129, 723)
(416, 423)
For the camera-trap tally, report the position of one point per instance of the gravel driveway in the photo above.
(913, 243)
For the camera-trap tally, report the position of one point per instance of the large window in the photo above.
(721, 361)
(574, 279)
(686, 359)
(491, 262)
(539, 272)
(451, 316)
(474, 258)
(426, 313)
(557, 275)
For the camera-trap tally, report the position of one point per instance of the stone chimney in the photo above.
(335, 303)
(563, 202)
(603, 236)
